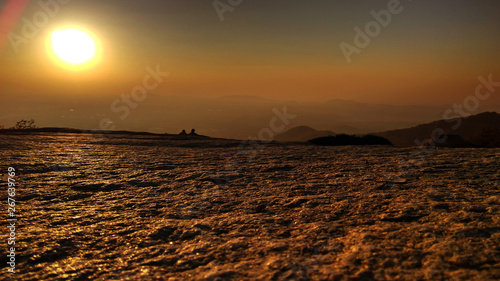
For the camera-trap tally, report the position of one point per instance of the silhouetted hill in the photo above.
(302, 134)
(344, 139)
(478, 130)
(230, 116)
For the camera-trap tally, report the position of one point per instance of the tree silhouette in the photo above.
(25, 124)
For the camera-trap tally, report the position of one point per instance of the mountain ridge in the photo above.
(469, 129)
(301, 134)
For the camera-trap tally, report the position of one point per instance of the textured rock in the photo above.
(148, 207)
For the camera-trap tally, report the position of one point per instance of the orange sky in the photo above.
(430, 53)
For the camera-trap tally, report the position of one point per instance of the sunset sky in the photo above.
(431, 53)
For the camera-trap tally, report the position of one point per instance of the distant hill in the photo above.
(235, 117)
(302, 134)
(478, 130)
(344, 139)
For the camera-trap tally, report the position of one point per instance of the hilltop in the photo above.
(478, 130)
(302, 134)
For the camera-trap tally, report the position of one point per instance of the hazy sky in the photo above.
(430, 53)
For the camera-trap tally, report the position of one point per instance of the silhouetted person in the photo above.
(193, 133)
(183, 132)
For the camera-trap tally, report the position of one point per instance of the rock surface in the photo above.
(155, 208)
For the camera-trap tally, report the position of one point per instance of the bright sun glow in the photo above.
(73, 46)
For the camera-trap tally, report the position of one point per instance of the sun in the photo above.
(73, 46)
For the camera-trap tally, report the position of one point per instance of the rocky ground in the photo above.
(138, 208)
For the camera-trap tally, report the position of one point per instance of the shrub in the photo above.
(25, 124)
